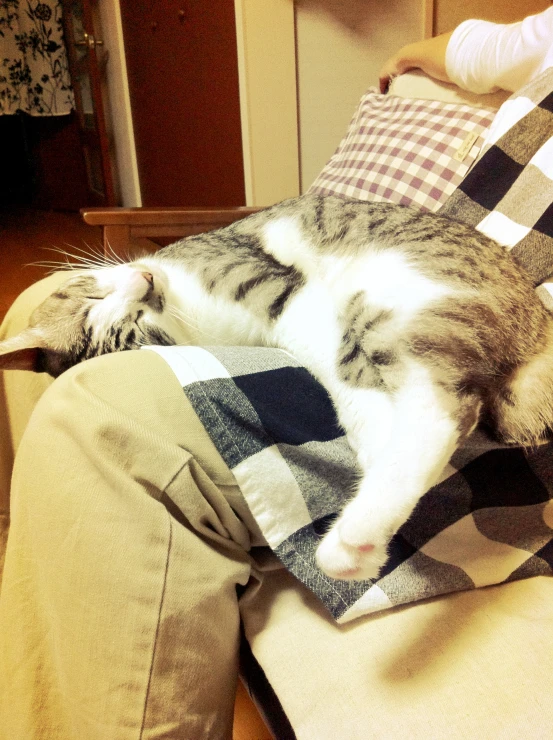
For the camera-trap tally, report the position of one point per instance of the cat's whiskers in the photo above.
(179, 315)
(53, 266)
(116, 258)
(87, 260)
(95, 255)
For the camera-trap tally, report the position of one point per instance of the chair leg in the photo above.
(116, 240)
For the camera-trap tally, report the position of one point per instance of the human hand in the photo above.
(428, 55)
(396, 65)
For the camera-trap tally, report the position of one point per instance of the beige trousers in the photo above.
(119, 615)
(119, 589)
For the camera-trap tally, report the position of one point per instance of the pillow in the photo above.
(405, 150)
(417, 84)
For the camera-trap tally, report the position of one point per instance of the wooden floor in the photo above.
(27, 236)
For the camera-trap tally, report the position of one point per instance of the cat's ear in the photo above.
(23, 352)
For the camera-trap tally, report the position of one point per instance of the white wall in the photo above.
(120, 105)
(268, 100)
(335, 67)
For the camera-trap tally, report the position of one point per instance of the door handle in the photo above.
(89, 41)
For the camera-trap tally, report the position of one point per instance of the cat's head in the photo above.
(94, 312)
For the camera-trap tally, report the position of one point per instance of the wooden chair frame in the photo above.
(125, 227)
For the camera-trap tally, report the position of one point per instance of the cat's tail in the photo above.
(523, 410)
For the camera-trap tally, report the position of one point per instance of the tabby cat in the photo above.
(418, 326)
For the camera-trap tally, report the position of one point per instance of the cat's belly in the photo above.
(313, 325)
(388, 280)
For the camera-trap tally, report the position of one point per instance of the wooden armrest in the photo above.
(163, 216)
(124, 226)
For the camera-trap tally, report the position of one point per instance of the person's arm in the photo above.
(481, 56)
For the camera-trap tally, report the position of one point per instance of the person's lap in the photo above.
(119, 606)
(119, 603)
(19, 392)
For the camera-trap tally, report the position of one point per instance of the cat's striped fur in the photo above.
(418, 327)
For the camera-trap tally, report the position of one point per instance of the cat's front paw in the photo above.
(350, 560)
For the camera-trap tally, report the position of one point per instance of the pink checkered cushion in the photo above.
(401, 150)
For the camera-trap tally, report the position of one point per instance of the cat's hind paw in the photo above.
(341, 560)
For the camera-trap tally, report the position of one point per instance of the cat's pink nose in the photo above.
(148, 277)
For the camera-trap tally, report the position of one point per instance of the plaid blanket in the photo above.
(490, 519)
(508, 193)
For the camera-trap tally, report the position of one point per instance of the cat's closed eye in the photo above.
(98, 297)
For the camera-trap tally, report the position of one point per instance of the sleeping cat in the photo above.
(418, 327)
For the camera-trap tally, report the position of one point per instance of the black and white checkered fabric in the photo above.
(489, 521)
(508, 193)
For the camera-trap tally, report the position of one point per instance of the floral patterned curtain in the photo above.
(34, 76)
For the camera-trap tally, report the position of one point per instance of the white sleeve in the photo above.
(483, 56)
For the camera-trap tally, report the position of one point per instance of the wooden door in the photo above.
(87, 59)
(182, 68)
